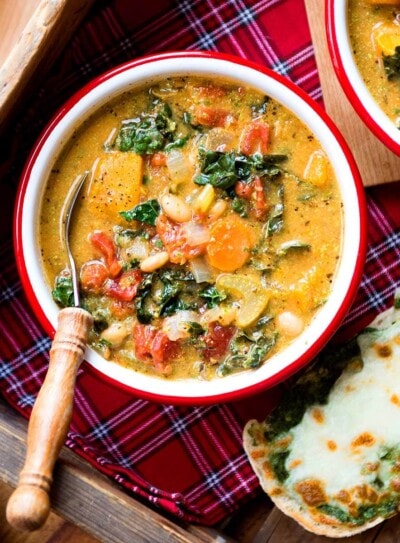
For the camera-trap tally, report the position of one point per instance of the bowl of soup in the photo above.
(364, 42)
(219, 236)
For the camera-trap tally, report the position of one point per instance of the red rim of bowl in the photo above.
(313, 349)
(341, 73)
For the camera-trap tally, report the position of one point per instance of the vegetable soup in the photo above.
(207, 234)
(374, 28)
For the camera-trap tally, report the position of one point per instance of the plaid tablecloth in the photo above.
(188, 461)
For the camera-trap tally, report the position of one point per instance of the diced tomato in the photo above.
(121, 309)
(209, 91)
(243, 190)
(163, 350)
(261, 206)
(93, 276)
(143, 336)
(255, 138)
(210, 116)
(106, 246)
(174, 239)
(217, 341)
(152, 345)
(125, 287)
(254, 192)
(158, 159)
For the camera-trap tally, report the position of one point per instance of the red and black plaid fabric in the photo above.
(188, 461)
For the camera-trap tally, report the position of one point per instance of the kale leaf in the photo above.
(240, 206)
(151, 132)
(146, 212)
(217, 168)
(364, 513)
(223, 170)
(293, 245)
(164, 293)
(391, 63)
(277, 460)
(63, 293)
(248, 351)
(212, 296)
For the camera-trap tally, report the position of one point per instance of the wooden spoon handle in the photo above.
(29, 505)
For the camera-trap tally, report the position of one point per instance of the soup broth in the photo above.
(375, 34)
(207, 234)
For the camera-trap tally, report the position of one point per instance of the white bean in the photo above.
(289, 323)
(154, 262)
(115, 334)
(217, 210)
(175, 208)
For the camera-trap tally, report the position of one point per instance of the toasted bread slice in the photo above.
(329, 454)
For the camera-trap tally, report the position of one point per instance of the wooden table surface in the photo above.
(56, 530)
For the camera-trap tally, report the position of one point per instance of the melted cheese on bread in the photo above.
(337, 470)
(340, 441)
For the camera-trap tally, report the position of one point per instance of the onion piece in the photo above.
(179, 166)
(139, 250)
(201, 270)
(223, 314)
(196, 233)
(178, 326)
(219, 139)
(115, 334)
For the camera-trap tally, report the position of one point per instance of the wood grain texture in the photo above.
(377, 164)
(33, 34)
(14, 15)
(56, 530)
(29, 506)
(83, 496)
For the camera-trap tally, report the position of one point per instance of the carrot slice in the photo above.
(230, 244)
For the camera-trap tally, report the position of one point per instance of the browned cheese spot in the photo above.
(349, 388)
(312, 492)
(383, 351)
(356, 365)
(395, 399)
(365, 492)
(284, 442)
(371, 467)
(295, 463)
(332, 446)
(343, 496)
(318, 415)
(259, 453)
(275, 491)
(363, 440)
(267, 470)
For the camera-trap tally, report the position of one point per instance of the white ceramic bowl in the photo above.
(138, 72)
(350, 79)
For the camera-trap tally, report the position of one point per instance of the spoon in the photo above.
(29, 504)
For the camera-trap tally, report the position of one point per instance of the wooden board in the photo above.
(33, 34)
(377, 164)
